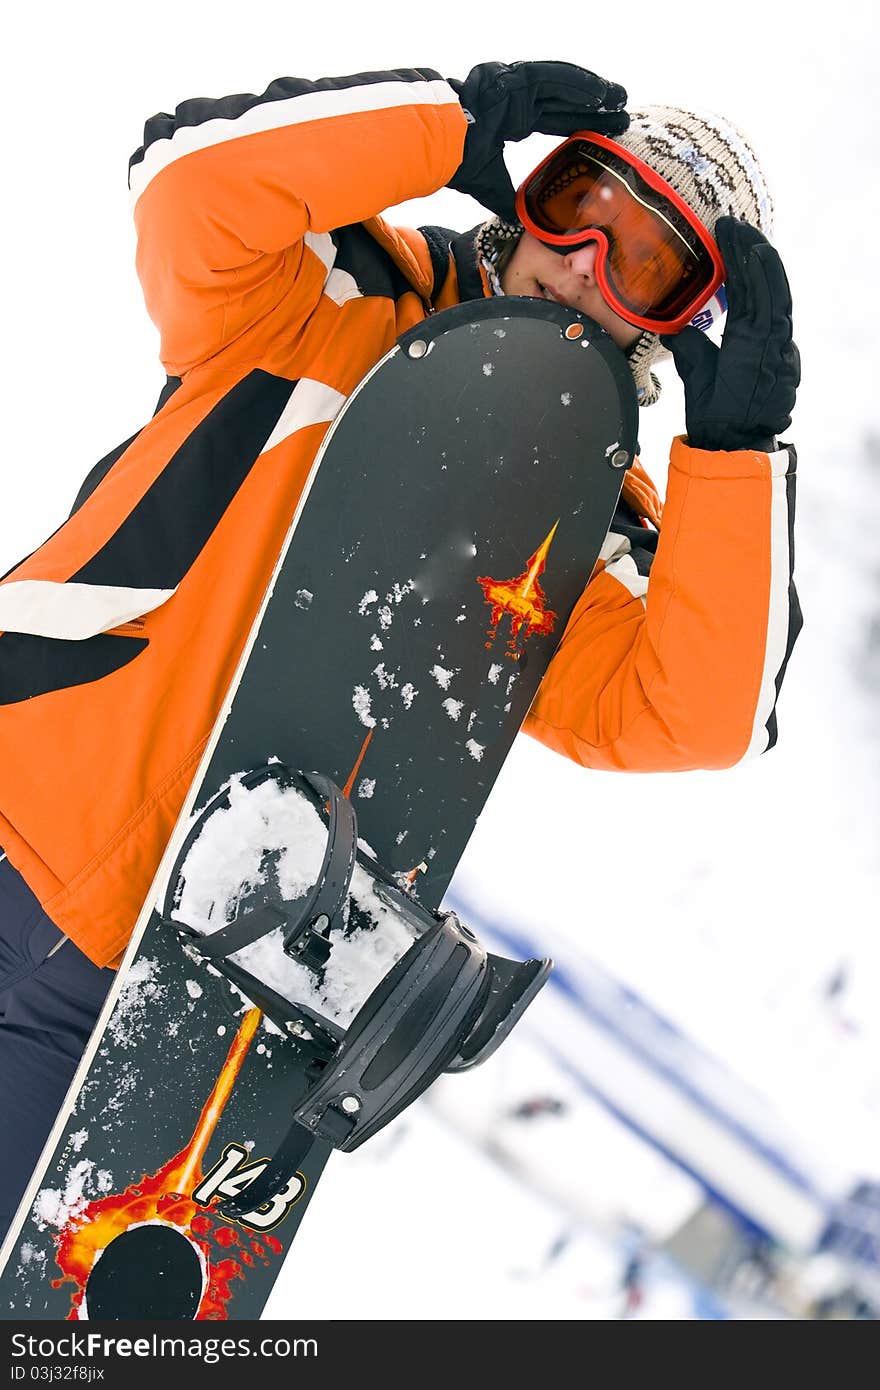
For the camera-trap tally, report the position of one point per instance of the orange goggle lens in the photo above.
(659, 263)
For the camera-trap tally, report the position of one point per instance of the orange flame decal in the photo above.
(161, 1196)
(522, 598)
(346, 790)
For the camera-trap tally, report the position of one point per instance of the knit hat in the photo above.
(710, 164)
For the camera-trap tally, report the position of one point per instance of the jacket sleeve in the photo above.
(225, 191)
(673, 661)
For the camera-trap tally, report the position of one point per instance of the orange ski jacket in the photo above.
(276, 285)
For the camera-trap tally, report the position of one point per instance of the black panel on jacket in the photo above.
(368, 263)
(98, 473)
(159, 540)
(643, 540)
(470, 283)
(100, 470)
(32, 666)
(171, 385)
(166, 530)
(439, 241)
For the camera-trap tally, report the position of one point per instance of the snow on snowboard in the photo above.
(291, 984)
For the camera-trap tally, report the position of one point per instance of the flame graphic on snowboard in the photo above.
(206, 1253)
(522, 599)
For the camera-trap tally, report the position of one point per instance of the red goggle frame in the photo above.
(657, 264)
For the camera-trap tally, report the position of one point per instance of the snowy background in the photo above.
(741, 905)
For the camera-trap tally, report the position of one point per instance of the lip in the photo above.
(549, 293)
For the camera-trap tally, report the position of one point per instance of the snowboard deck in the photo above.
(453, 516)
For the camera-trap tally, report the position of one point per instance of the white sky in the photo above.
(756, 877)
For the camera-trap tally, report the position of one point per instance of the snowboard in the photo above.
(451, 520)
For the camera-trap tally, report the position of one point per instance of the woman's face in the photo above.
(537, 271)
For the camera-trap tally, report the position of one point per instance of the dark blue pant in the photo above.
(50, 996)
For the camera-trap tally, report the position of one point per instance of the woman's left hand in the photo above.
(741, 395)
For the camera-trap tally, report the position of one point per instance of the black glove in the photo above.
(741, 395)
(510, 101)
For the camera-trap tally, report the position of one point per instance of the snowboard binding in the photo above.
(445, 1005)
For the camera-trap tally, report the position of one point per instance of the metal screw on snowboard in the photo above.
(445, 1005)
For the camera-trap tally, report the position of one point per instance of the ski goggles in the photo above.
(656, 263)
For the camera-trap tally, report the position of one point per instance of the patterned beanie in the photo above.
(710, 164)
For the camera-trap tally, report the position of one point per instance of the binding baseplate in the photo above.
(445, 1004)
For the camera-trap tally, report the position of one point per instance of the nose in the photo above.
(583, 262)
